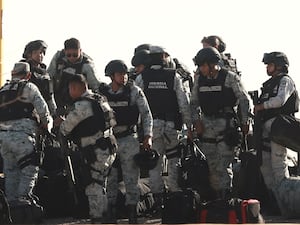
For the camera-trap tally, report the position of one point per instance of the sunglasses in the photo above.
(74, 55)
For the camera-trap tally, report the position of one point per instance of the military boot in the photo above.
(97, 220)
(110, 216)
(132, 215)
(157, 206)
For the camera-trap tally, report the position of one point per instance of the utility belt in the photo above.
(174, 152)
(125, 133)
(174, 117)
(10, 116)
(164, 116)
(222, 113)
(211, 140)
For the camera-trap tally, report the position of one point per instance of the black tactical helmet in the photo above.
(278, 58)
(115, 66)
(34, 45)
(142, 57)
(156, 49)
(146, 159)
(207, 55)
(142, 47)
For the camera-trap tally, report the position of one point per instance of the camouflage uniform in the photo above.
(219, 154)
(59, 70)
(42, 80)
(274, 166)
(166, 135)
(128, 145)
(95, 190)
(18, 140)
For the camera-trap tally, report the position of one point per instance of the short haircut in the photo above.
(78, 78)
(215, 41)
(72, 43)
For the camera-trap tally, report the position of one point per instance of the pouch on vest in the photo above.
(285, 131)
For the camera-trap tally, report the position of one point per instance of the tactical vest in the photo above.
(230, 63)
(101, 119)
(159, 90)
(214, 96)
(64, 71)
(41, 79)
(11, 108)
(269, 90)
(125, 113)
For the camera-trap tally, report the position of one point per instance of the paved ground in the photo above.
(143, 220)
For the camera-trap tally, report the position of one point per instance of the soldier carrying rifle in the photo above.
(89, 125)
(278, 99)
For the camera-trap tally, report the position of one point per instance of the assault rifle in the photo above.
(44, 138)
(66, 147)
(257, 127)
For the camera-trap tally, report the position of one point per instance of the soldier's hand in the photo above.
(245, 129)
(258, 108)
(190, 135)
(147, 143)
(199, 127)
(58, 120)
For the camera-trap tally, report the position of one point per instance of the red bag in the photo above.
(230, 211)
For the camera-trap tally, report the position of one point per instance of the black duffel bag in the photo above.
(193, 170)
(285, 131)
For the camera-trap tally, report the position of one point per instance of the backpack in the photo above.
(180, 207)
(193, 170)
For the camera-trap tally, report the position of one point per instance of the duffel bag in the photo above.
(285, 131)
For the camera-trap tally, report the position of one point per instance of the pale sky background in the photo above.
(111, 29)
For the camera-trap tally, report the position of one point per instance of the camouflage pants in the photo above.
(276, 176)
(127, 147)
(96, 191)
(165, 137)
(219, 155)
(287, 194)
(274, 167)
(14, 146)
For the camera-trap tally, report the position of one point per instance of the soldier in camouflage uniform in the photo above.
(21, 108)
(89, 124)
(216, 93)
(129, 103)
(170, 108)
(140, 61)
(65, 63)
(279, 96)
(34, 53)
